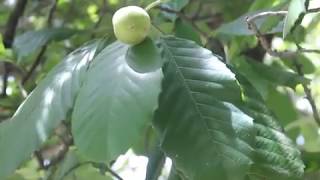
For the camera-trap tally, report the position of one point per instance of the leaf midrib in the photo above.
(186, 86)
(193, 100)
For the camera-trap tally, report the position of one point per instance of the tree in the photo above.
(225, 89)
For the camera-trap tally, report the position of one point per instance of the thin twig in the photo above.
(34, 65)
(102, 13)
(206, 17)
(51, 12)
(308, 93)
(314, 10)
(302, 49)
(198, 11)
(76, 167)
(72, 5)
(39, 57)
(114, 174)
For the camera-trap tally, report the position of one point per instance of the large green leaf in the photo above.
(114, 105)
(31, 41)
(296, 11)
(276, 157)
(205, 135)
(43, 109)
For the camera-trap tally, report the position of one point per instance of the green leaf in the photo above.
(239, 26)
(148, 138)
(176, 5)
(205, 135)
(296, 11)
(186, 31)
(2, 48)
(276, 101)
(43, 110)
(113, 105)
(144, 57)
(259, 82)
(312, 161)
(261, 4)
(307, 65)
(5, 54)
(29, 42)
(16, 177)
(28, 170)
(277, 75)
(272, 25)
(297, 35)
(276, 157)
(310, 132)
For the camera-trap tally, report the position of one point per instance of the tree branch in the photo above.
(304, 50)
(264, 42)
(102, 12)
(314, 10)
(308, 93)
(5, 77)
(198, 11)
(285, 54)
(39, 57)
(114, 174)
(11, 26)
(51, 12)
(8, 37)
(56, 152)
(34, 65)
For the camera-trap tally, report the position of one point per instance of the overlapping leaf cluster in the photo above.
(211, 122)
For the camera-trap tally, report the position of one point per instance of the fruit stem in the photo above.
(152, 5)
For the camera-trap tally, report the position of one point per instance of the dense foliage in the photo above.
(227, 90)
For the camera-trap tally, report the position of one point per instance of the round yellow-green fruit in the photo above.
(131, 24)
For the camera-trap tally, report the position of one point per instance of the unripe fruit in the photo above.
(131, 24)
